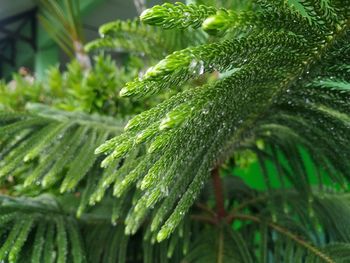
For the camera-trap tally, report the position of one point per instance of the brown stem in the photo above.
(81, 56)
(219, 194)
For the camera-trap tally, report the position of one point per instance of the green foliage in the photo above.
(14, 94)
(52, 146)
(38, 230)
(266, 96)
(179, 15)
(137, 38)
(268, 83)
(43, 228)
(93, 91)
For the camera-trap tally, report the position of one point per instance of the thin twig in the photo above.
(203, 218)
(205, 208)
(285, 232)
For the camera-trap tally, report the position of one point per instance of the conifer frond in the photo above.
(178, 15)
(135, 37)
(41, 230)
(303, 233)
(270, 85)
(289, 231)
(219, 244)
(274, 226)
(114, 246)
(263, 91)
(36, 230)
(52, 146)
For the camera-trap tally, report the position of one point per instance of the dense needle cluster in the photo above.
(271, 79)
(274, 59)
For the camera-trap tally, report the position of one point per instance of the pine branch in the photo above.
(26, 223)
(53, 146)
(135, 37)
(272, 82)
(178, 15)
(264, 65)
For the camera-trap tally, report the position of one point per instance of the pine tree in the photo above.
(246, 81)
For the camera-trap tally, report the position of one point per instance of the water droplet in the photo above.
(201, 68)
(196, 67)
(205, 111)
(165, 191)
